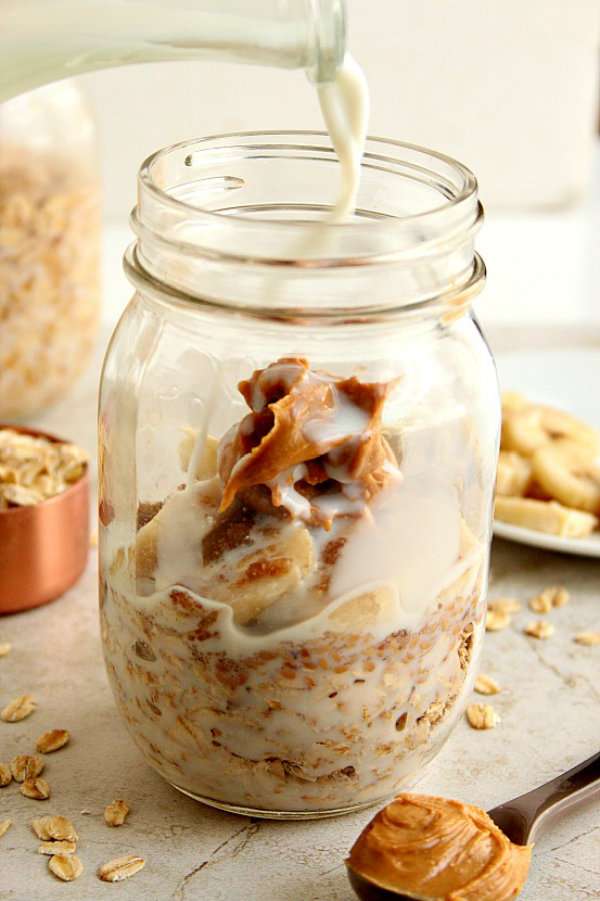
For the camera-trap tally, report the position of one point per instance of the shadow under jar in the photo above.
(298, 442)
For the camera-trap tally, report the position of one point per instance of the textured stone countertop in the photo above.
(550, 709)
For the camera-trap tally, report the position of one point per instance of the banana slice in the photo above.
(256, 580)
(146, 549)
(511, 400)
(366, 611)
(570, 473)
(514, 474)
(463, 584)
(545, 516)
(522, 431)
(206, 466)
(187, 516)
(526, 429)
(468, 539)
(536, 492)
(562, 425)
(271, 561)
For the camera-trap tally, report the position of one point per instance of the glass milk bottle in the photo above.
(43, 41)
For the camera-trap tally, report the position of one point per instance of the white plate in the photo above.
(567, 379)
(585, 547)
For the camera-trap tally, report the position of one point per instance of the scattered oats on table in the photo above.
(5, 648)
(18, 709)
(36, 789)
(505, 605)
(496, 620)
(560, 596)
(588, 639)
(539, 628)
(541, 603)
(486, 685)
(482, 716)
(59, 847)
(5, 775)
(26, 766)
(54, 828)
(66, 867)
(121, 868)
(116, 812)
(52, 740)
(546, 600)
(4, 826)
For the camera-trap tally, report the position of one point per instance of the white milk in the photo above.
(345, 107)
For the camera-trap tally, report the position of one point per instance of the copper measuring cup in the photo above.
(44, 547)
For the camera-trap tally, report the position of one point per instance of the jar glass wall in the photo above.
(49, 246)
(297, 464)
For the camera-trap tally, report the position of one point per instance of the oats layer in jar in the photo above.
(307, 605)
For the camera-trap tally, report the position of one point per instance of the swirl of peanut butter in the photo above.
(436, 849)
(309, 436)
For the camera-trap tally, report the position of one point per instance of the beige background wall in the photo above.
(510, 88)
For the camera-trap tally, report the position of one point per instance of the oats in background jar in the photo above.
(49, 246)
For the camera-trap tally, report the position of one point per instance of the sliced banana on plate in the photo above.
(569, 472)
(548, 470)
(514, 474)
(545, 516)
(512, 400)
(527, 428)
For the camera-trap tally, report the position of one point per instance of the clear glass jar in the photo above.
(298, 442)
(49, 246)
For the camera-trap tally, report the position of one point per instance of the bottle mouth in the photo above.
(217, 214)
(329, 18)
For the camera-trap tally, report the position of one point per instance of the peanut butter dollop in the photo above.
(308, 434)
(435, 849)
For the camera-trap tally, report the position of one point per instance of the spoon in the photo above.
(519, 819)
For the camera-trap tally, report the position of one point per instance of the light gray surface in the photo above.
(550, 710)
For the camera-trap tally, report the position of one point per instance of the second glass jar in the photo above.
(298, 441)
(50, 234)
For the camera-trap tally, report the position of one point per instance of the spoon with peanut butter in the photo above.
(425, 848)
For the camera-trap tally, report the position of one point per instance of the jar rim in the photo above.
(215, 216)
(446, 308)
(146, 180)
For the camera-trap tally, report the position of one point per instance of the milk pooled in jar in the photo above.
(306, 603)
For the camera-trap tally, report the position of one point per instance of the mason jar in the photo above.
(298, 439)
(49, 246)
